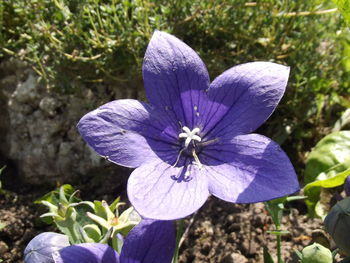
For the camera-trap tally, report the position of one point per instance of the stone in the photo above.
(3, 247)
(234, 258)
(38, 128)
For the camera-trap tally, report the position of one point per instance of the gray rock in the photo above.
(38, 127)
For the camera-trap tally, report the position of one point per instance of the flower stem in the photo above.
(279, 255)
(179, 232)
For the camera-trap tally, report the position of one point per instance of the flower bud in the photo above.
(41, 247)
(316, 253)
(337, 224)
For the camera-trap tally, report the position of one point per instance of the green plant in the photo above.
(86, 221)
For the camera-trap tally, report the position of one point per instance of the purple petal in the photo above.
(160, 191)
(129, 132)
(87, 253)
(175, 78)
(149, 242)
(243, 97)
(41, 247)
(248, 169)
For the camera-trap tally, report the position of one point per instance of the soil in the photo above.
(219, 232)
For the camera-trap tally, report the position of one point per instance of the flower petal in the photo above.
(41, 247)
(87, 253)
(243, 97)
(129, 132)
(248, 169)
(160, 191)
(149, 242)
(175, 78)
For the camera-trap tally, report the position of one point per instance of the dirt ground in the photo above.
(219, 232)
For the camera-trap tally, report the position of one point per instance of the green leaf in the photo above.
(275, 208)
(113, 206)
(295, 197)
(53, 196)
(117, 243)
(344, 8)
(99, 220)
(332, 151)
(343, 121)
(299, 255)
(93, 231)
(267, 256)
(312, 190)
(278, 232)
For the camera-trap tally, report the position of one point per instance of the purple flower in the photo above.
(192, 139)
(148, 242)
(41, 247)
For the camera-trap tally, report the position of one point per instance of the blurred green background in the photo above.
(72, 44)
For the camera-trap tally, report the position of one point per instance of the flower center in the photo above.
(189, 135)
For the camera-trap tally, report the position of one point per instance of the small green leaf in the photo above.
(332, 151)
(312, 190)
(93, 231)
(298, 253)
(89, 203)
(107, 236)
(117, 243)
(344, 8)
(51, 207)
(107, 210)
(295, 197)
(53, 196)
(342, 121)
(278, 232)
(267, 256)
(335, 252)
(114, 204)
(48, 215)
(86, 238)
(62, 194)
(99, 220)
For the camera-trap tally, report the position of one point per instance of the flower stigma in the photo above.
(190, 135)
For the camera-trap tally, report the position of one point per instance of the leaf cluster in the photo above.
(86, 221)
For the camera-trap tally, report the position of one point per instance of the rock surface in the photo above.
(39, 126)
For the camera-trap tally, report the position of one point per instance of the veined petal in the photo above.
(41, 247)
(158, 190)
(243, 97)
(87, 253)
(175, 78)
(129, 132)
(248, 169)
(150, 241)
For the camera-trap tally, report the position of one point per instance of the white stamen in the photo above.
(196, 159)
(190, 135)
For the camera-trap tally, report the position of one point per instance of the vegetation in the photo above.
(72, 44)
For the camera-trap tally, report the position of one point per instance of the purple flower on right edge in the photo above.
(194, 137)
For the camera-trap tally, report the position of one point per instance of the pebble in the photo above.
(234, 258)
(3, 247)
